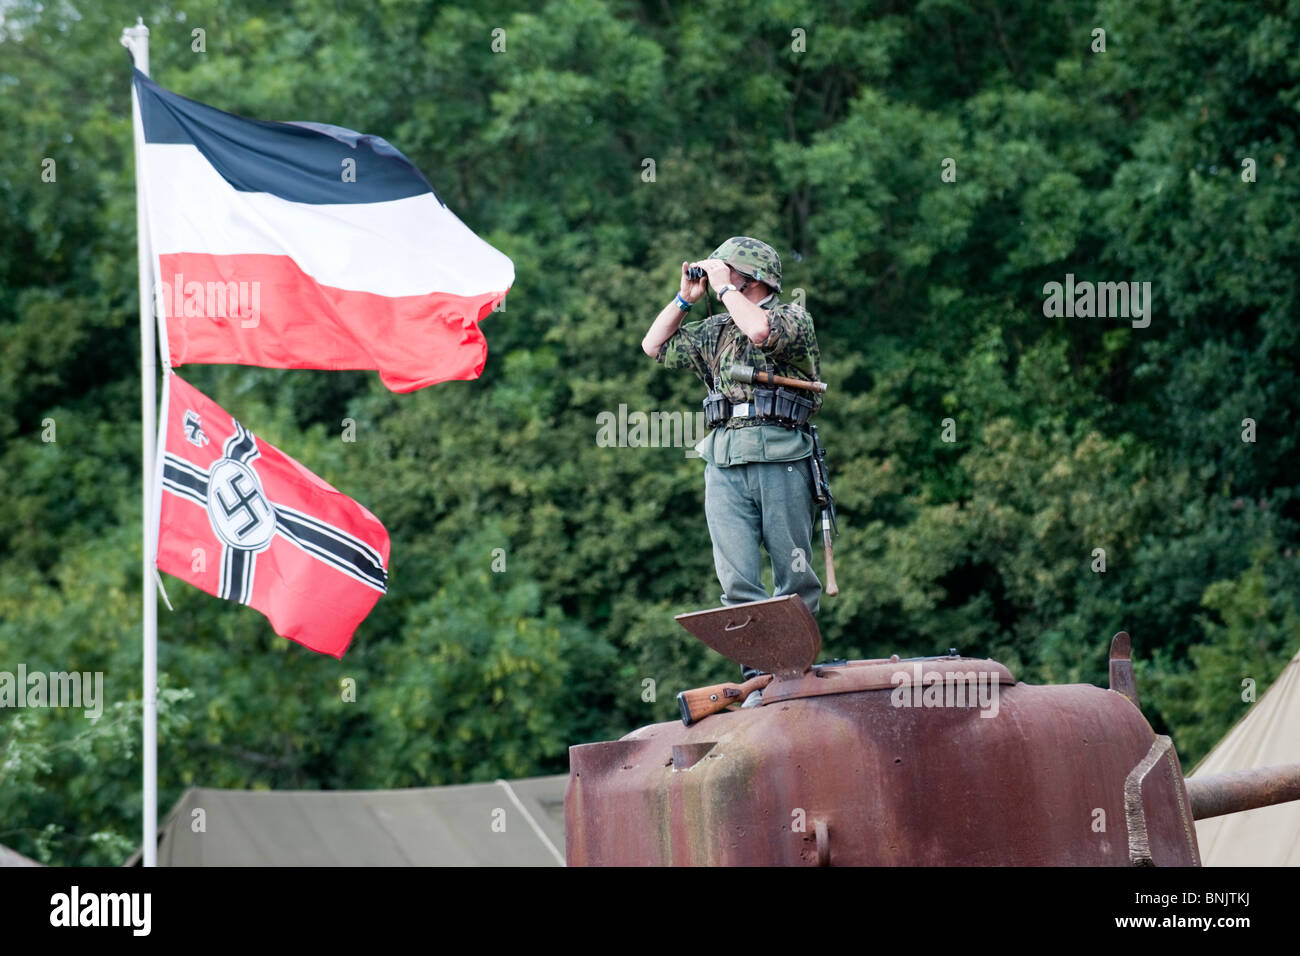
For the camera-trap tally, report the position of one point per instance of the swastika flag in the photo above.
(244, 521)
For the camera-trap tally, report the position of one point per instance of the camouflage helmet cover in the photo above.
(752, 258)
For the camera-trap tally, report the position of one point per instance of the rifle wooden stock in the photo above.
(704, 701)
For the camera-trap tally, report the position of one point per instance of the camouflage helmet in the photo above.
(751, 258)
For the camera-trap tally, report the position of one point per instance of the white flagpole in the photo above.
(136, 39)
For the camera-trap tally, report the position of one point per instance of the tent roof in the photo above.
(9, 858)
(429, 826)
(1269, 836)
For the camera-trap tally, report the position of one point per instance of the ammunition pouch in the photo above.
(781, 406)
(784, 406)
(792, 408)
(717, 409)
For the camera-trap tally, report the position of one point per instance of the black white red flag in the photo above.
(306, 245)
(244, 521)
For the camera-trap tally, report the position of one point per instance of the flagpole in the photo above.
(136, 39)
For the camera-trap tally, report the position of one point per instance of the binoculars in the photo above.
(695, 273)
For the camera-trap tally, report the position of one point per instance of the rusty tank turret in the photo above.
(920, 762)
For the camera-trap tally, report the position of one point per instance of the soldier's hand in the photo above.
(718, 272)
(692, 289)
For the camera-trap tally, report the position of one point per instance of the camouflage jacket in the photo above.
(711, 346)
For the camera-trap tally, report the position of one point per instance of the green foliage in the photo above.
(1250, 627)
(1071, 435)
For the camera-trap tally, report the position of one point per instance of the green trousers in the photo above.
(768, 503)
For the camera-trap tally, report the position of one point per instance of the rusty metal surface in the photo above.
(854, 779)
(910, 676)
(1159, 757)
(778, 635)
(1122, 680)
(1221, 793)
(686, 756)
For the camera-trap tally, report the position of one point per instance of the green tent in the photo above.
(506, 823)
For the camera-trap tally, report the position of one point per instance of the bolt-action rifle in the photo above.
(703, 701)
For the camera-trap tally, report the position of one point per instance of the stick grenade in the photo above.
(748, 375)
(704, 701)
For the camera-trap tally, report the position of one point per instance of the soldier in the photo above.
(758, 484)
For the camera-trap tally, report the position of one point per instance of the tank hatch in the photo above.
(778, 636)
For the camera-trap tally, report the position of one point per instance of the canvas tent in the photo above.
(1269, 734)
(9, 858)
(506, 823)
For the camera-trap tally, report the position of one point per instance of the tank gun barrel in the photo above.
(1239, 790)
